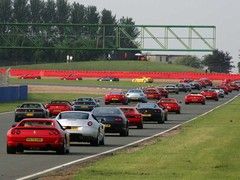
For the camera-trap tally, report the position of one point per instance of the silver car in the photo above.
(82, 127)
(136, 95)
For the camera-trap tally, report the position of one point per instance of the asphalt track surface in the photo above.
(30, 162)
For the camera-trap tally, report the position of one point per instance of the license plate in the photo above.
(108, 125)
(208, 96)
(29, 114)
(74, 128)
(114, 99)
(34, 139)
(146, 115)
(84, 106)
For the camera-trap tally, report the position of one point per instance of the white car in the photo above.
(82, 127)
(136, 95)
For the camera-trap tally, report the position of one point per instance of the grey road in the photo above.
(19, 165)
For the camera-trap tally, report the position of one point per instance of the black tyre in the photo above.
(125, 103)
(187, 103)
(177, 92)
(178, 112)
(124, 132)
(63, 149)
(102, 142)
(216, 99)
(140, 126)
(11, 150)
(107, 103)
(203, 103)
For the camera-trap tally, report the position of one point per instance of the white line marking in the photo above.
(6, 112)
(122, 147)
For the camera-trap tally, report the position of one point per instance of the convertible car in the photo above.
(115, 97)
(82, 127)
(143, 80)
(57, 106)
(133, 116)
(195, 97)
(113, 118)
(171, 104)
(108, 79)
(29, 76)
(31, 110)
(210, 94)
(37, 134)
(152, 93)
(71, 77)
(152, 112)
(85, 104)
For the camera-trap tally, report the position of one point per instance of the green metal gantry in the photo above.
(107, 37)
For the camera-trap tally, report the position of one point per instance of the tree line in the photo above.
(60, 11)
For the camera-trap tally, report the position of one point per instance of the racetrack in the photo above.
(19, 165)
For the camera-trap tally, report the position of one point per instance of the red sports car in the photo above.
(29, 76)
(210, 94)
(57, 106)
(234, 86)
(185, 80)
(115, 97)
(133, 116)
(37, 134)
(207, 81)
(152, 93)
(194, 98)
(71, 77)
(171, 104)
(225, 88)
(162, 91)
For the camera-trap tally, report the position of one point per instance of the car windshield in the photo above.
(106, 110)
(84, 99)
(30, 106)
(146, 105)
(73, 115)
(36, 123)
(115, 92)
(84, 103)
(135, 91)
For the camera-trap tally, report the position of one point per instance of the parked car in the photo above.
(171, 104)
(115, 97)
(184, 87)
(31, 110)
(133, 116)
(29, 76)
(143, 80)
(82, 127)
(162, 91)
(37, 134)
(108, 79)
(171, 88)
(71, 77)
(152, 93)
(195, 97)
(210, 94)
(85, 104)
(57, 106)
(152, 112)
(136, 95)
(113, 118)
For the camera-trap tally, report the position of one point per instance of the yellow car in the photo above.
(143, 80)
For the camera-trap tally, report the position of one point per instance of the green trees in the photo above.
(192, 61)
(58, 11)
(219, 61)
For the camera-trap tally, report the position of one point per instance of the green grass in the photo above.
(44, 98)
(113, 66)
(84, 82)
(207, 148)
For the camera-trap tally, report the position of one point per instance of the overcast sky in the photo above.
(224, 14)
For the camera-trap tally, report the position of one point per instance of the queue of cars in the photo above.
(59, 123)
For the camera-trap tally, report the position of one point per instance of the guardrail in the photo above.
(125, 74)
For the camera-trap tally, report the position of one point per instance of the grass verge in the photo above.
(44, 98)
(207, 148)
(113, 66)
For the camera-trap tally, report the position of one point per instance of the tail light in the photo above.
(38, 110)
(89, 123)
(118, 119)
(15, 131)
(20, 110)
(53, 132)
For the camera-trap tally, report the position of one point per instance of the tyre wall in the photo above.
(13, 93)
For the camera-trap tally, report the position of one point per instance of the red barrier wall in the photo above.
(125, 74)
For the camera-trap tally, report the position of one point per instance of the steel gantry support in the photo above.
(107, 37)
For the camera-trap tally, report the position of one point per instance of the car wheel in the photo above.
(63, 148)
(140, 126)
(107, 103)
(216, 99)
(203, 103)
(102, 142)
(95, 141)
(124, 132)
(11, 150)
(187, 103)
(125, 103)
(160, 121)
(178, 112)
(177, 92)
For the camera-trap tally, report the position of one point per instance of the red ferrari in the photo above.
(71, 77)
(37, 134)
(210, 94)
(152, 93)
(133, 116)
(162, 91)
(171, 104)
(194, 98)
(29, 76)
(57, 106)
(185, 80)
(115, 97)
